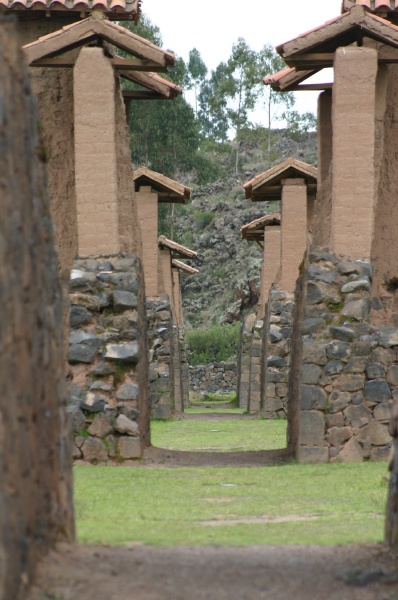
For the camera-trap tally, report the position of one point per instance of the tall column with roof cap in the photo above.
(293, 231)
(147, 210)
(271, 262)
(354, 104)
(95, 148)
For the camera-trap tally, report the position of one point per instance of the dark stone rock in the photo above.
(314, 353)
(388, 336)
(312, 397)
(276, 295)
(333, 367)
(79, 316)
(101, 425)
(312, 325)
(161, 411)
(356, 286)
(81, 336)
(338, 401)
(127, 392)
(343, 334)
(275, 334)
(358, 416)
(94, 450)
(358, 398)
(130, 412)
(126, 282)
(338, 350)
(360, 349)
(123, 300)
(392, 375)
(276, 361)
(376, 303)
(104, 299)
(375, 371)
(77, 418)
(82, 353)
(315, 293)
(286, 333)
(313, 455)
(315, 273)
(336, 436)
(357, 364)
(385, 356)
(312, 427)
(377, 390)
(93, 402)
(103, 370)
(125, 352)
(101, 385)
(310, 374)
(349, 382)
(105, 266)
(357, 309)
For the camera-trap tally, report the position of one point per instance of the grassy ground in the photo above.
(200, 409)
(292, 504)
(219, 435)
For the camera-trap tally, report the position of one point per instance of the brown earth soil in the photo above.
(358, 572)
(160, 457)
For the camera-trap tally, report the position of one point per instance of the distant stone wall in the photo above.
(160, 344)
(108, 359)
(36, 505)
(212, 378)
(277, 349)
(349, 369)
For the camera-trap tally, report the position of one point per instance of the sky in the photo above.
(212, 27)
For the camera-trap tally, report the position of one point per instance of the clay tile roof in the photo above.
(267, 185)
(372, 5)
(288, 78)
(186, 269)
(168, 190)
(96, 26)
(153, 81)
(341, 31)
(114, 9)
(164, 242)
(255, 229)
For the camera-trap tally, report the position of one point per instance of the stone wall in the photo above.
(212, 378)
(160, 344)
(108, 359)
(349, 368)
(36, 508)
(277, 351)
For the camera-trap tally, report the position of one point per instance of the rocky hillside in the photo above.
(227, 286)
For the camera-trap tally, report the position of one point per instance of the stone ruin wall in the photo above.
(160, 344)
(345, 372)
(107, 355)
(216, 377)
(36, 507)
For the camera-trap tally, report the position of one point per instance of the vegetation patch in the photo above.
(212, 344)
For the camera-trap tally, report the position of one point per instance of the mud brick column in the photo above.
(177, 297)
(96, 187)
(165, 261)
(353, 195)
(244, 362)
(147, 209)
(255, 367)
(184, 367)
(271, 263)
(293, 231)
(325, 136)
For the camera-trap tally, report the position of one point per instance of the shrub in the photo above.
(213, 344)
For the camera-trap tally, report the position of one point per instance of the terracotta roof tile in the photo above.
(166, 243)
(372, 5)
(267, 185)
(114, 9)
(288, 77)
(169, 190)
(254, 231)
(186, 269)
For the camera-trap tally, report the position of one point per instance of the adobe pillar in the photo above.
(95, 153)
(293, 231)
(177, 297)
(147, 211)
(353, 185)
(165, 261)
(325, 136)
(271, 261)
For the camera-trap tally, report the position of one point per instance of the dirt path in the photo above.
(160, 457)
(360, 572)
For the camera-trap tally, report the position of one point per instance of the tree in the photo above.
(197, 72)
(270, 62)
(298, 125)
(213, 111)
(242, 87)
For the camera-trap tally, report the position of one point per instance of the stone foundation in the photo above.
(107, 358)
(217, 377)
(277, 354)
(160, 344)
(348, 369)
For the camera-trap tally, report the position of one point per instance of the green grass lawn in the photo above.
(201, 409)
(292, 504)
(220, 436)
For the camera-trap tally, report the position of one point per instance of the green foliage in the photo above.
(203, 218)
(213, 344)
(298, 125)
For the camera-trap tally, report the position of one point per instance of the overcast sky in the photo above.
(212, 27)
